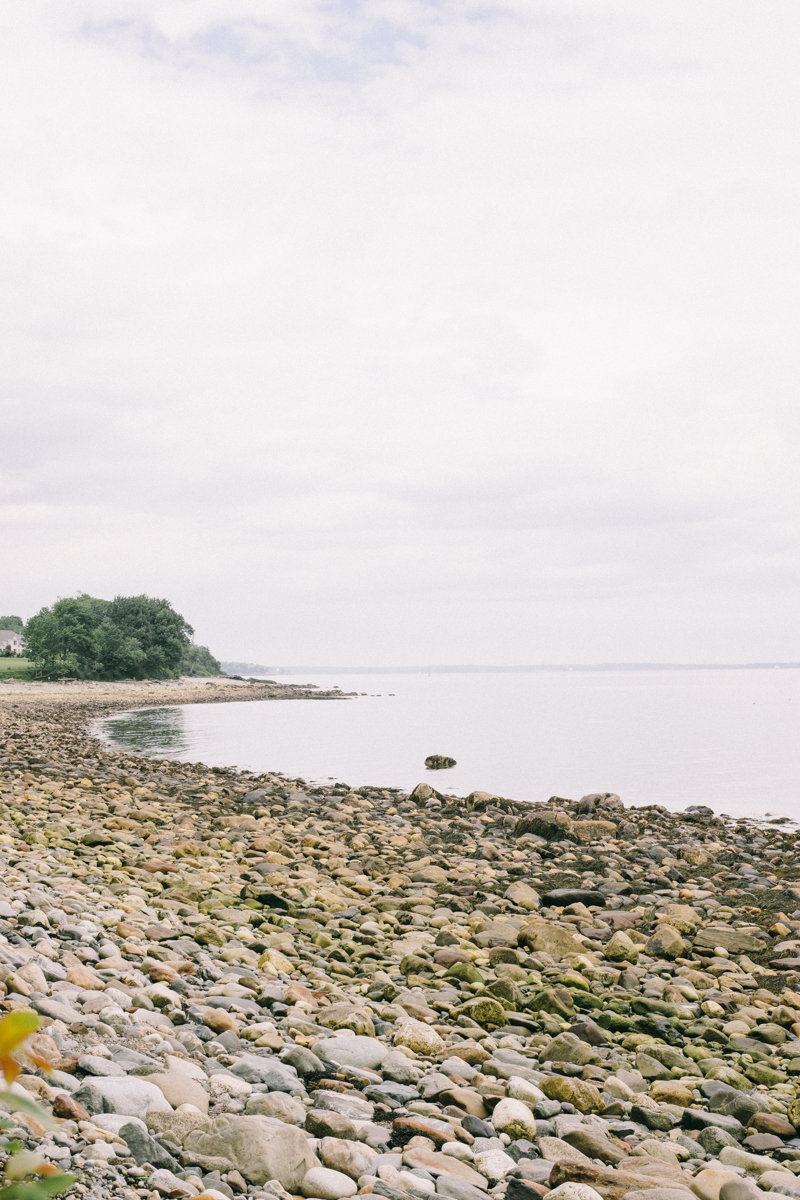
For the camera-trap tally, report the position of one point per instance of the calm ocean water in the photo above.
(728, 739)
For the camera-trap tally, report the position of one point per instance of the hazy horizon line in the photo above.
(253, 668)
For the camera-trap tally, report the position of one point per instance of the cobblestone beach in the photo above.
(251, 986)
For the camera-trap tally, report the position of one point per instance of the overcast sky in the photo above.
(406, 331)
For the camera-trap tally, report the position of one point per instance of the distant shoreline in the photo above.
(256, 669)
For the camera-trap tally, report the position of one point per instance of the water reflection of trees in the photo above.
(157, 731)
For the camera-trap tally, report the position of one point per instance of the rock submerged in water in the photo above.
(439, 762)
(466, 998)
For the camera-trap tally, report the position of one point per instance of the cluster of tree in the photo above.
(129, 637)
(14, 623)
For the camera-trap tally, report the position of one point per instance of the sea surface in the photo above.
(727, 738)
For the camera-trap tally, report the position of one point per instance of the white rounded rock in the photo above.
(494, 1164)
(458, 1150)
(574, 1191)
(515, 1118)
(518, 1088)
(357, 1051)
(418, 1036)
(325, 1184)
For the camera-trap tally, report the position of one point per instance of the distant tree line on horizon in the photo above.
(129, 637)
(244, 668)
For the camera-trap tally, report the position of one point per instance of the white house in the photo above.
(10, 640)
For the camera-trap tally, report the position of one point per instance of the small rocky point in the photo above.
(251, 986)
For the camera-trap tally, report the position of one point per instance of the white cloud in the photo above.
(406, 331)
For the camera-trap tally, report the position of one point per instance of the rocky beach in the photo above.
(251, 986)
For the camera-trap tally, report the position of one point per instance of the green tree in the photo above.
(198, 660)
(120, 655)
(160, 634)
(129, 637)
(62, 640)
(15, 623)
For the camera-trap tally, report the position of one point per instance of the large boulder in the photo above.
(728, 939)
(126, 1094)
(260, 1148)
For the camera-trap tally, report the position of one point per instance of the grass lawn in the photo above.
(19, 667)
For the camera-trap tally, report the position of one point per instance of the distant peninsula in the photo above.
(233, 668)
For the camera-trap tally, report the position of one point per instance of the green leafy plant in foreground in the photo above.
(27, 1175)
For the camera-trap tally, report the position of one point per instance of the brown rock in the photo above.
(448, 956)
(611, 1184)
(321, 1123)
(219, 1021)
(432, 1160)
(69, 1109)
(297, 992)
(163, 973)
(466, 1099)
(159, 933)
(772, 1123)
(590, 831)
(553, 825)
(84, 977)
(125, 930)
(594, 1145)
(471, 1053)
(671, 1093)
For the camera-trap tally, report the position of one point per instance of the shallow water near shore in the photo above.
(728, 739)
